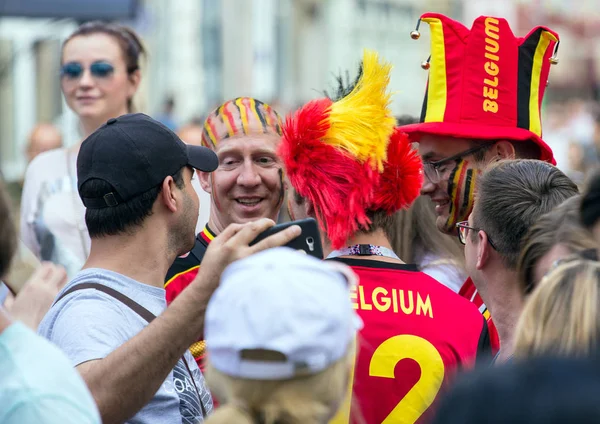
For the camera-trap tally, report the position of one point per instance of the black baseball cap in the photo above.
(134, 153)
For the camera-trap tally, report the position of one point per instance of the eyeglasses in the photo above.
(74, 70)
(463, 232)
(435, 171)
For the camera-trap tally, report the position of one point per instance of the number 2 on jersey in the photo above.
(423, 393)
(383, 363)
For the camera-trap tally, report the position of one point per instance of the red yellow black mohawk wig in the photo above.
(335, 149)
(402, 177)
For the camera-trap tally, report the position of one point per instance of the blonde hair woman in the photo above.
(562, 316)
(280, 333)
(309, 399)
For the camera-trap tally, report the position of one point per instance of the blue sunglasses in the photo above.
(74, 70)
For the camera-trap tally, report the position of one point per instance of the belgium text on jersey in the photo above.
(399, 301)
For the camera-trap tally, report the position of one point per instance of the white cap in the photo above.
(279, 314)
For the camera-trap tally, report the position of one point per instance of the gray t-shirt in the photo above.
(89, 324)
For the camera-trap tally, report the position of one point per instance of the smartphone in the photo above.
(309, 241)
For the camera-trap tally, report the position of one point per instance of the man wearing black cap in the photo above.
(134, 177)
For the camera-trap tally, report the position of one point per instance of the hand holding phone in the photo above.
(309, 241)
(234, 243)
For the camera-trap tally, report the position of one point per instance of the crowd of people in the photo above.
(458, 281)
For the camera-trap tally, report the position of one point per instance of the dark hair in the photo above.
(344, 87)
(590, 203)
(523, 149)
(511, 196)
(541, 390)
(124, 217)
(297, 198)
(479, 155)
(559, 226)
(406, 120)
(130, 43)
(8, 232)
(380, 220)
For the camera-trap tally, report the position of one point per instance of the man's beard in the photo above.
(182, 238)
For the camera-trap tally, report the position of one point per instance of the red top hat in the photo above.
(485, 83)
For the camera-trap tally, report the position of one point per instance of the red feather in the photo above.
(402, 176)
(339, 188)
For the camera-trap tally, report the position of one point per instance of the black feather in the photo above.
(344, 87)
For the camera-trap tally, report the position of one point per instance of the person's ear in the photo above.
(483, 250)
(204, 178)
(504, 150)
(134, 81)
(167, 194)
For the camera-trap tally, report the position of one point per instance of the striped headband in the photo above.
(240, 116)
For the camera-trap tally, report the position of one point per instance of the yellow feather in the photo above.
(362, 122)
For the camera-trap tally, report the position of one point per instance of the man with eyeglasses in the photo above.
(482, 104)
(511, 196)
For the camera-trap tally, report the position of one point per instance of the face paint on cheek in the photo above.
(281, 188)
(461, 189)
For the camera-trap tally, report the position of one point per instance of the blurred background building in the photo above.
(285, 52)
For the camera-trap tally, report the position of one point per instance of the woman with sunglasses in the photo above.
(99, 77)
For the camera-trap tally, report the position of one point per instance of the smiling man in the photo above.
(247, 185)
(482, 104)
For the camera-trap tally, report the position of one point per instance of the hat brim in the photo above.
(202, 158)
(478, 132)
